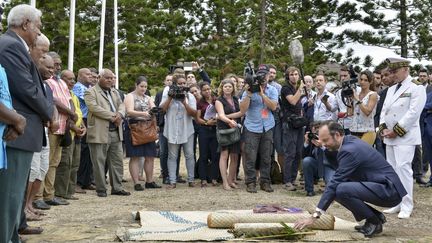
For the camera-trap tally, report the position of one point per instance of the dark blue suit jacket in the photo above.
(359, 162)
(27, 91)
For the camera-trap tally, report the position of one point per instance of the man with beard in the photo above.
(363, 178)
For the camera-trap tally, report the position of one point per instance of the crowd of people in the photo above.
(62, 137)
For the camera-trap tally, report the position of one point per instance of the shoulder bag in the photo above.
(143, 132)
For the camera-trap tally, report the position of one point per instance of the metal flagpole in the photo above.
(71, 35)
(116, 45)
(102, 34)
(33, 3)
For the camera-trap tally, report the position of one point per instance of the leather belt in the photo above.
(113, 129)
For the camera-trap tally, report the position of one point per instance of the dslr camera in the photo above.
(254, 79)
(178, 92)
(155, 111)
(312, 136)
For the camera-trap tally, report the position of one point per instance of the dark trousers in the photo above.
(417, 166)
(85, 170)
(254, 143)
(208, 162)
(380, 146)
(355, 195)
(66, 173)
(292, 141)
(13, 183)
(427, 149)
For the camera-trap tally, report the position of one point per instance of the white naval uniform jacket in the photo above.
(404, 107)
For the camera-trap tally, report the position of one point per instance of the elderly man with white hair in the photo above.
(28, 99)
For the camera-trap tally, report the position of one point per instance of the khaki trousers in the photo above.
(110, 154)
(47, 188)
(66, 174)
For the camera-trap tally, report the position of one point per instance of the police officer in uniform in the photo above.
(399, 126)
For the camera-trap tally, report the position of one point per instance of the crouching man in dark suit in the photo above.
(363, 176)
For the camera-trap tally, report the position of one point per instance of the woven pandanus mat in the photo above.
(227, 219)
(192, 226)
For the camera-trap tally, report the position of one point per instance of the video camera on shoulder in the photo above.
(255, 79)
(178, 92)
(348, 86)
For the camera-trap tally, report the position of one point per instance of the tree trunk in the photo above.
(262, 30)
(404, 28)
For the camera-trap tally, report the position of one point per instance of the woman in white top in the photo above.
(363, 108)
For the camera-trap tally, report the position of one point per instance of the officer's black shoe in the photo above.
(420, 181)
(370, 229)
(428, 184)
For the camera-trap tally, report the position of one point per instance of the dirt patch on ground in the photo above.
(94, 219)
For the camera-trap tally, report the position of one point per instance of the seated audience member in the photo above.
(138, 106)
(363, 109)
(228, 109)
(208, 146)
(317, 162)
(180, 108)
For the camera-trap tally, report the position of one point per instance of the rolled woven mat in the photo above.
(228, 219)
(257, 229)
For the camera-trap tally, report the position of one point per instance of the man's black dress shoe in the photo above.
(370, 229)
(101, 194)
(57, 201)
(41, 204)
(380, 216)
(420, 181)
(428, 184)
(181, 180)
(120, 193)
(310, 194)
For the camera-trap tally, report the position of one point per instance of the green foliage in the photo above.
(407, 31)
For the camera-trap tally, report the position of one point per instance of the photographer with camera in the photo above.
(363, 108)
(293, 123)
(180, 107)
(344, 94)
(317, 162)
(257, 103)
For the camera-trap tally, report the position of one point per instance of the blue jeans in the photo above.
(310, 172)
(173, 156)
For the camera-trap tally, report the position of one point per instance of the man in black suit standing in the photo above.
(363, 176)
(29, 100)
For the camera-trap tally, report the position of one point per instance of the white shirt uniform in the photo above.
(402, 107)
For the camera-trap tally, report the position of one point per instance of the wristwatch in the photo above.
(316, 215)
(358, 102)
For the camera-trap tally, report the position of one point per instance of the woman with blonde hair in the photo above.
(363, 108)
(228, 110)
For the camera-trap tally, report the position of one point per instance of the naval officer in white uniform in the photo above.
(399, 126)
